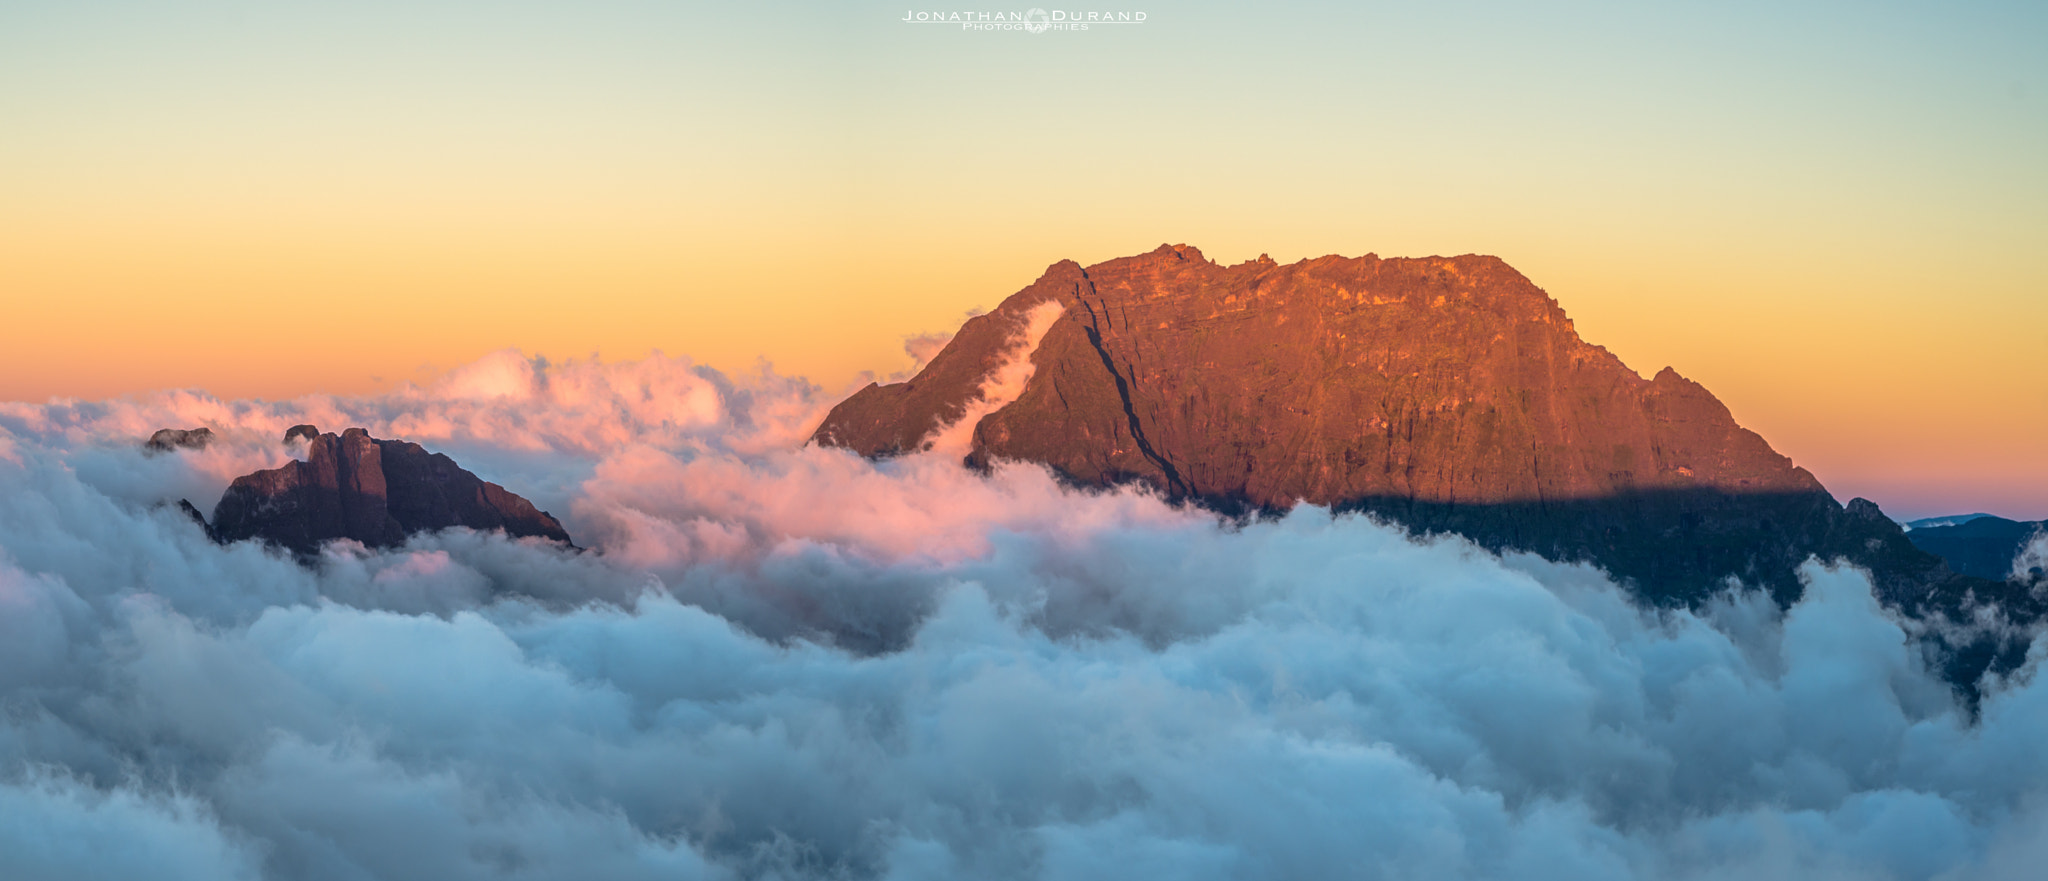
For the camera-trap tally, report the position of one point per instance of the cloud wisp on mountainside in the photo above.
(786, 661)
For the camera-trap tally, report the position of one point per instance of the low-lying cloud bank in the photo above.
(787, 662)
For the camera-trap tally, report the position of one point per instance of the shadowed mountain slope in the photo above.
(376, 492)
(1979, 545)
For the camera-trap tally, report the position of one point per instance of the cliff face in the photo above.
(375, 491)
(1446, 393)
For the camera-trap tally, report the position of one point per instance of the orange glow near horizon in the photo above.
(1844, 246)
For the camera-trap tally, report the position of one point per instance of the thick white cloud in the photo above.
(787, 662)
(54, 827)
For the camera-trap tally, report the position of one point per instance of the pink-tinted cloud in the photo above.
(786, 661)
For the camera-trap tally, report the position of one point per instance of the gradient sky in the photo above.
(1834, 215)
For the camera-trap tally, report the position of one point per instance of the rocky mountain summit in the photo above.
(1447, 394)
(377, 492)
(171, 440)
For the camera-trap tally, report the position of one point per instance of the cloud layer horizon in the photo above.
(782, 661)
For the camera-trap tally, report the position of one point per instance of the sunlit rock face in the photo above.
(373, 491)
(1445, 393)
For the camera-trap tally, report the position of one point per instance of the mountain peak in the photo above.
(1179, 252)
(377, 492)
(1443, 392)
(1327, 380)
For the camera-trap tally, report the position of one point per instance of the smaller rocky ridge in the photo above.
(171, 440)
(378, 492)
(1978, 545)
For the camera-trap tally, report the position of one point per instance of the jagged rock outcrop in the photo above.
(377, 492)
(171, 440)
(1450, 394)
(301, 430)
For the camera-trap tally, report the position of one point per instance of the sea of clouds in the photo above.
(781, 661)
